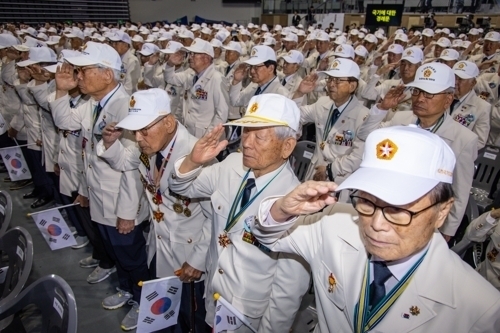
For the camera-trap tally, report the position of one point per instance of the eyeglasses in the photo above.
(256, 67)
(394, 215)
(337, 80)
(416, 92)
(144, 131)
(83, 70)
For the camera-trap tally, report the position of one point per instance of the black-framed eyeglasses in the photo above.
(256, 67)
(144, 131)
(394, 215)
(337, 80)
(84, 69)
(416, 92)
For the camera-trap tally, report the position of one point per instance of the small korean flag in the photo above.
(54, 229)
(15, 163)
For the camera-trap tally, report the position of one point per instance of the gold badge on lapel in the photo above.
(332, 283)
(414, 310)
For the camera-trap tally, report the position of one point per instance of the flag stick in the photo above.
(237, 313)
(18, 146)
(55, 208)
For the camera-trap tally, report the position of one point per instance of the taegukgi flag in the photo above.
(15, 163)
(54, 229)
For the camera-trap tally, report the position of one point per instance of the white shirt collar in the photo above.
(343, 106)
(165, 151)
(75, 100)
(263, 180)
(104, 100)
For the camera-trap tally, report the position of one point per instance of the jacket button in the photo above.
(90, 166)
(62, 168)
(189, 240)
(159, 237)
(218, 208)
(221, 271)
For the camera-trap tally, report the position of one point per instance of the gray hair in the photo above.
(442, 192)
(116, 72)
(450, 90)
(285, 132)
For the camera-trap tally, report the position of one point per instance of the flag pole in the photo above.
(234, 311)
(55, 208)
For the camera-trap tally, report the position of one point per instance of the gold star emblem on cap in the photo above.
(414, 310)
(461, 65)
(409, 52)
(253, 108)
(132, 102)
(254, 52)
(427, 73)
(84, 47)
(340, 48)
(386, 150)
(335, 63)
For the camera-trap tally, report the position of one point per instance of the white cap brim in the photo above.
(168, 51)
(446, 58)
(230, 49)
(52, 68)
(145, 53)
(192, 49)
(81, 61)
(26, 63)
(429, 87)
(21, 48)
(135, 122)
(290, 60)
(247, 121)
(404, 189)
(51, 43)
(463, 75)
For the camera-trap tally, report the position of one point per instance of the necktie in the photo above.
(195, 78)
(159, 160)
(228, 69)
(380, 275)
(452, 106)
(392, 73)
(484, 59)
(258, 91)
(308, 54)
(247, 191)
(71, 105)
(335, 116)
(97, 112)
(318, 59)
(283, 82)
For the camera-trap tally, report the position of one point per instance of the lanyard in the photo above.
(97, 114)
(159, 173)
(366, 319)
(265, 87)
(233, 216)
(329, 123)
(436, 127)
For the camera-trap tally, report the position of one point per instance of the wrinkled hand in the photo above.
(205, 149)
(323, 64)
(12, 133)
(387, 68)
(57, 169)
(378, 60)
(393, 97)
(38, 73)
(83, 201)
(495, 213)
(320, 174)
(487, 64)
(307, 198)
(187, 273)
(153, 59)
(308, 84)
(24, 75)
(124, 226)
(65, 77)
(176, 59)
(110, 134)
(240, 73)
(39, 143)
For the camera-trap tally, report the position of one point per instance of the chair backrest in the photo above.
(301, 158)
(18, 246)
(54, 298)
(487, 169)
(5, 212)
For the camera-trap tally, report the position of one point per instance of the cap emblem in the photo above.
(253, 108)
(386, 150)
(132, 102)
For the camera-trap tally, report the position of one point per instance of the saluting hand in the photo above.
(65, 77)
(308, 84)
(176, 59)
(393, 97)
(240, 73)
(307, 198)
(38, 73)
(110, 134)
(205, 150)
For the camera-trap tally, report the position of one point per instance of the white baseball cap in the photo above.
(200, 46)
(449, 54)
(402, 37)
(133, 28)
(269, 110)
(417, 33)
(53, 40)
(428, 32)
(370, 38)
(343, 68)
(452, 36)
(395, 48)
(206, 31)
(344, 51)
(33, 42)
(119, 36)
(166, 35)
(42, 36)
(361, 35)
(323, 36)
(480, 30)
(268, 41)
(354, 32)
(31, 31)
(215, 43)
(456, 43)
(261, 54)
(278, 27)
(64, 54)
(172, 47)
(413, 54)
(138, 38)
(492, 36)
(151, 39)
(233, 46)
(145, 107)
(465, 44)
(291, 37)
(433, 78)
(473, 31)
(445, 31)
(444, 42)
(148, 49)
(52, 29)
(37, 55)
(76, 33)
(97, 54)
(361, 51)
(222, 35)
(413, 159)
(301, 33)
(186, 34)
(294, 57)
(340, 40)
(466, 70)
